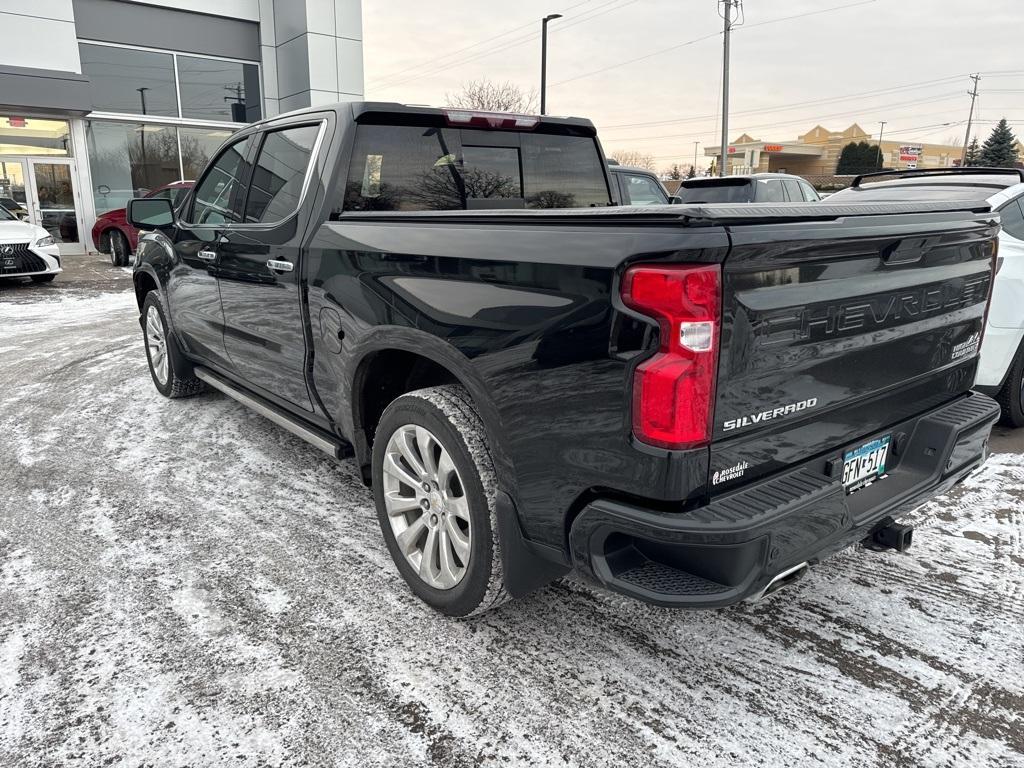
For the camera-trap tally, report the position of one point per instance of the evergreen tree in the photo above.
(692, 172)
(858, 157)
(973, 156)
(674, 172)
(1000, 148)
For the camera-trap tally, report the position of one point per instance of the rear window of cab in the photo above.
(421, 168)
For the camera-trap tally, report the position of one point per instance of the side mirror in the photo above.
(150, 212)
(675, 200)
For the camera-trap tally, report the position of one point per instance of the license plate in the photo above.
(862, 466)
(8, 263)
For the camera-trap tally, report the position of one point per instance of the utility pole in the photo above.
(973, 93)
(881, 131)
(544, 59)
(725, 82)
(695, 157)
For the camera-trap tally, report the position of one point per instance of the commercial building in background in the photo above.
(815, 154)
(104, 100)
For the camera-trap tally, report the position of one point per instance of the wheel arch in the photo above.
(401, 361)
(145, 281)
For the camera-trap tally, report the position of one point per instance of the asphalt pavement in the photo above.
(182, 583)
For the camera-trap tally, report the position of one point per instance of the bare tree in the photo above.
(634, 158)
(493, 97)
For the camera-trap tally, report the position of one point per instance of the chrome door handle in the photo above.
(207, 255)
(280, 266)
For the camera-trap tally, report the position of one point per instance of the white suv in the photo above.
(26, 250)
(1001, 370)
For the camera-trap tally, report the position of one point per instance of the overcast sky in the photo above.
(829, 66)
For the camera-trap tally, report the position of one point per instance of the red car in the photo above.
(114, 235)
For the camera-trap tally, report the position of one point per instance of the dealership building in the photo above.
(816, 153)
(105, 100)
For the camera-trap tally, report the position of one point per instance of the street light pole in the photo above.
(695, 157)
(544, 59)
(881, 131)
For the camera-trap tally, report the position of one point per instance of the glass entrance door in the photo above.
(13, 173)
(53, 197)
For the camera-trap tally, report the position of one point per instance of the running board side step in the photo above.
(333, 446)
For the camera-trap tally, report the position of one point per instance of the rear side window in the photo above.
(793, 191)
(643, 190)
(418, 168)
(809, 194)
(218, 198)
(280, 174)
(769, 191)
(1012, 219)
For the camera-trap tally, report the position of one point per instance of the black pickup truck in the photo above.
(690, 404)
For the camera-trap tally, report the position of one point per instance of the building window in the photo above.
(198, 146)
(213, 89)
(152, 83)
(129, 160)
(130, 81)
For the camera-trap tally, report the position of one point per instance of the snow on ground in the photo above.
(183, 583)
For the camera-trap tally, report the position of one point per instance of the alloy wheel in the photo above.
(156, 343)
(427, 506)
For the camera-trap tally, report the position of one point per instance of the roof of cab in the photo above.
(358, 109)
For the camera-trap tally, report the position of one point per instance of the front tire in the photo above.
(1011, 396)
(434, 486)
(163, 365)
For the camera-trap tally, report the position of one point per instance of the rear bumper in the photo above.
(733, 547)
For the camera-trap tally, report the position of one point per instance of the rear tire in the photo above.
(43, 278)
(1011, 396)
(119, 249)
(163, 365)
(434, 482)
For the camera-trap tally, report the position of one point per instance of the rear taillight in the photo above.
(494, 120)
(673, 392)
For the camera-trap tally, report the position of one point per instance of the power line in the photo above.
(593, 13)
(797, 121)
(888, 133)
(784, 107)
(809, 13)
(733, 25)
(388, 76)
(638, 58)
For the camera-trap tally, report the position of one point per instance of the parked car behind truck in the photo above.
(690, 404)
(1001, 369)
(754, 188)
(113, 234)
(636, 186)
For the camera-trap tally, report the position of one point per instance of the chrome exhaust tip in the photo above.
(784, 579)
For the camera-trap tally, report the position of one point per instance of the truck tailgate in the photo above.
(834, 329)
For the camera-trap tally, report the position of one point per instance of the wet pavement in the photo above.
(184, 583)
